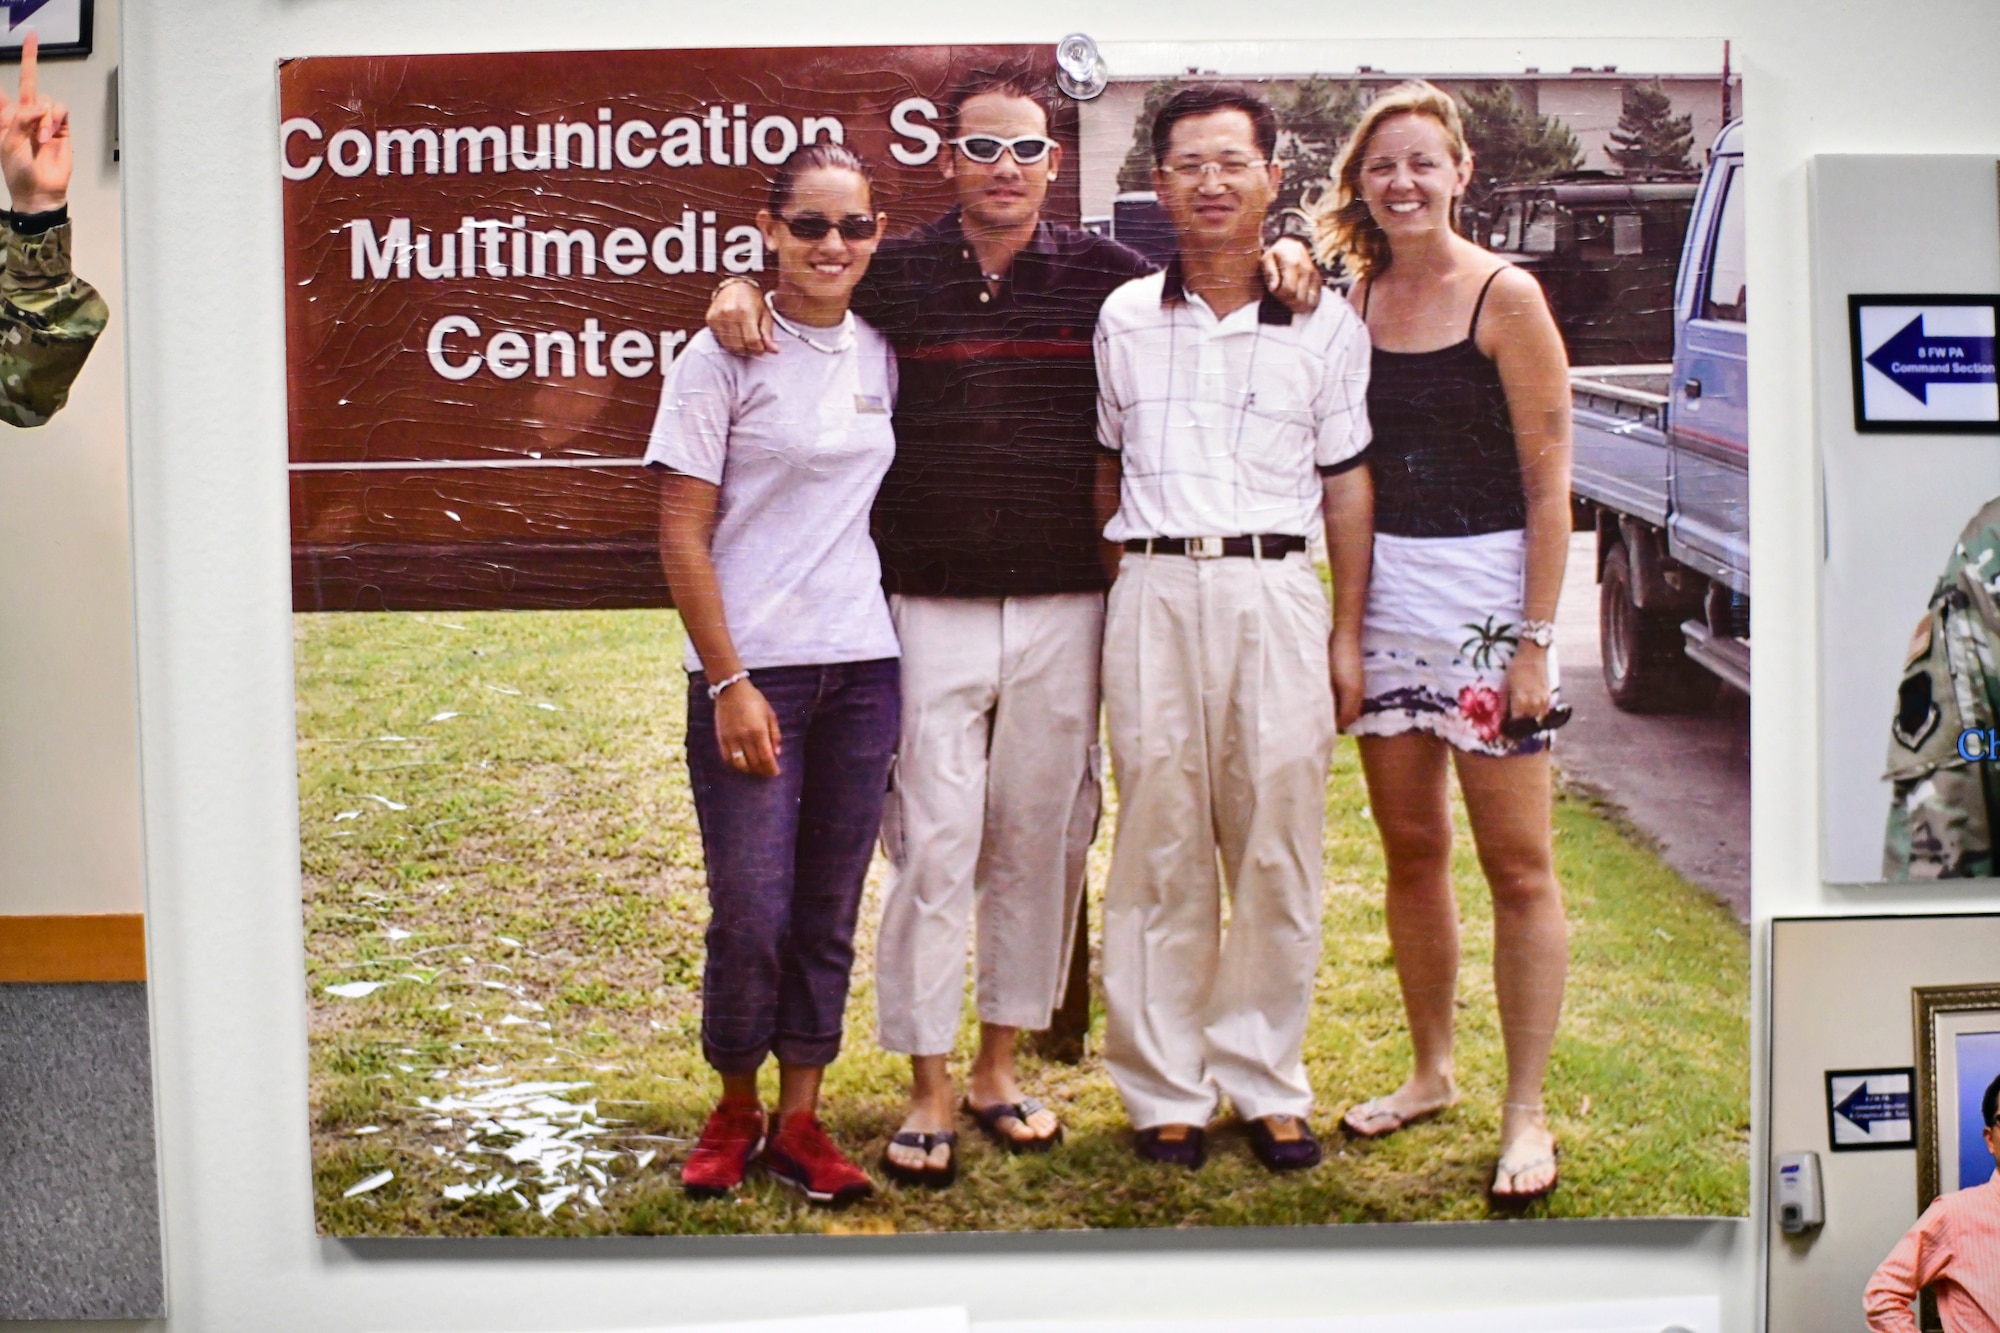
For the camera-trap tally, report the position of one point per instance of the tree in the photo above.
(1136, 173)
(1650, 138)
(1511, 144)
(1314, 119)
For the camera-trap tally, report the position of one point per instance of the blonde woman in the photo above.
(1469, 399)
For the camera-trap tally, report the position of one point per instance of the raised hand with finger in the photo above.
(34, 142)
(49, 317)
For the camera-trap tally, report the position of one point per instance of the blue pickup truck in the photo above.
(1662, 475)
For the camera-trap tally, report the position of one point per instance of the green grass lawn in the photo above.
(497, 834)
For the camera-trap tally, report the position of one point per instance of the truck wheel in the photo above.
(1646, 667)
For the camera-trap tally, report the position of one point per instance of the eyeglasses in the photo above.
(986, 148)
(1188, 172)
(815, 226)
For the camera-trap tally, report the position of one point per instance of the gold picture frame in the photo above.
(1934, 1008)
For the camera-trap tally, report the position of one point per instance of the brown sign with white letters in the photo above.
(490, 260)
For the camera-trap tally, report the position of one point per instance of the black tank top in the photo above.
(1443, 457)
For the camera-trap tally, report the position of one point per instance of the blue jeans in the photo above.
(786, 859)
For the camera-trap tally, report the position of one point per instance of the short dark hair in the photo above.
(1200, 99)
(1013, 78)
(811, 157)
(1989, 1105)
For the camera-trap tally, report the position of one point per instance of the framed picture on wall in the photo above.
(1958, 1057)
(64, 26)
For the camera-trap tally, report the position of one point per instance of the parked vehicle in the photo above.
(1138, 220)
(1606, 250)
(1662, 474)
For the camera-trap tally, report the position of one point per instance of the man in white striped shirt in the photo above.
(1231, 429)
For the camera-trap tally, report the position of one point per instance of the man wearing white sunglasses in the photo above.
(989, 549)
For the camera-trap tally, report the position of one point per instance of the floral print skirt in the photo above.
(1441, 626)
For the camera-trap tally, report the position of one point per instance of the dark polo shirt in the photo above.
(996, 414)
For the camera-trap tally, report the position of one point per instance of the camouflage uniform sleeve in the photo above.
(49, 321)
(1941, 810)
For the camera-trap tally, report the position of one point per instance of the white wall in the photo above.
(210, 533)
(1842, 1001)
(69, 795)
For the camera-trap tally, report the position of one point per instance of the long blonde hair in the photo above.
(1343, 228)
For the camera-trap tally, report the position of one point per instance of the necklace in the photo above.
(843, 341)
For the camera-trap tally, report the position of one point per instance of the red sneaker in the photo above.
(801, 1155)
(729, 1142)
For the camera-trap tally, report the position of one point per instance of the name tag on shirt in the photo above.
(869, 404)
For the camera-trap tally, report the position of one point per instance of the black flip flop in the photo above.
(989, 1119)
(930, 1177)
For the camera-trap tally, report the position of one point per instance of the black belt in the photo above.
(1270, 547)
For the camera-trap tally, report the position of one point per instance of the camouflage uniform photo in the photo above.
(1941, 813)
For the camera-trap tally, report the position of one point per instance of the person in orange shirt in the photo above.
(1954, 1249)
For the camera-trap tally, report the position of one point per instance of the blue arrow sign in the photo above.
(1915, 361)
(19, 11)
(1865, 1109)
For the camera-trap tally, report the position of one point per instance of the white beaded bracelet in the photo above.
(715, 690)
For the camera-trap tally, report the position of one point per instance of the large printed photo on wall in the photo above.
(881, 647)
(1911, 512)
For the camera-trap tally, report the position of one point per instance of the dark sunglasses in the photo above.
(815, 226)
(986, 148)
(1520, 728)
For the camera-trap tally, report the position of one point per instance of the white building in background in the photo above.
(1588, 101)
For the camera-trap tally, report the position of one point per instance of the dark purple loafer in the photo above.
(1189, 1152)
(1284, 1154)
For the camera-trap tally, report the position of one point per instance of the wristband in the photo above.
(1541, 633)
(34, 224)
(715, 690)
(738, 277)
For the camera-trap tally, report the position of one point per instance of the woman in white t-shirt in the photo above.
(793, 702)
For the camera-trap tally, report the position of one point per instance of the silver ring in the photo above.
(737, 755)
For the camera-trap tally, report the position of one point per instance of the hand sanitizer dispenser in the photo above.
(1800, 1206)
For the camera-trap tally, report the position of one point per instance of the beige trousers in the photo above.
(1216, 685)
(992, 812)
